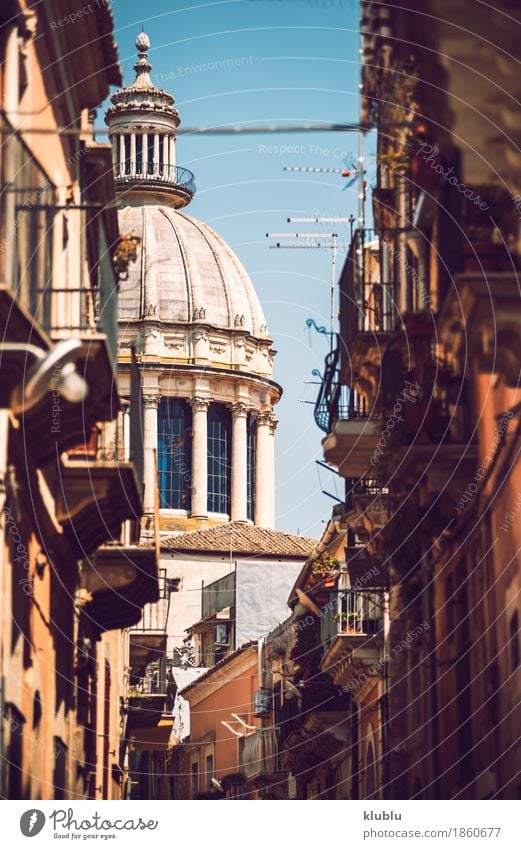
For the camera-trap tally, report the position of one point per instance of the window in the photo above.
(195, 779)
(219, 445)
(514, 641)
(174, 453)
(26, 222)
(150, 158)
(209, 771)
(370, 773)
(126, 139)
(139, 156)
(250, 492)
(60, 769)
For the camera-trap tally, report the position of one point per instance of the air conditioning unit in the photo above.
(222, 637)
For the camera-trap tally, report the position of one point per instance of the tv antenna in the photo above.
(316, 241)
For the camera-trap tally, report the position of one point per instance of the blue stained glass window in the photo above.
(174, 454)
(250, 492)
(219, 458)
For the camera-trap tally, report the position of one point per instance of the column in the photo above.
(121, 140)
(239, 463)
(133, 154)
(156, 154)
(199, 458)
(150, 404)
(265, 470)
(166, 172)
(172, 156)
(144, 154)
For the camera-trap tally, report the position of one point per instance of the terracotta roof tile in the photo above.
(242, 539)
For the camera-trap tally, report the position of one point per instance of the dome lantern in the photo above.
(142, 124)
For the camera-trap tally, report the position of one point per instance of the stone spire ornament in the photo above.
(142, 123)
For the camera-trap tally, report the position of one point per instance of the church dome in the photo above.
(185, 273)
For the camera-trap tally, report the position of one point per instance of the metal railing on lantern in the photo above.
(335, 400)
(127, 172)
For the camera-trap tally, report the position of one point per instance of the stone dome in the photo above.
(185, 273)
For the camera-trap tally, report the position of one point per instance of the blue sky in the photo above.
(292, 61)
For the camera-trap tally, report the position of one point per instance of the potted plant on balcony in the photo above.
(348, 621)
(324, 570)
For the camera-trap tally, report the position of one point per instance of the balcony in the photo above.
(54, 423)
(96, 489)
(178, 182)
(319, 737)
(480, 319)
(351, 433)
(367, 504)
(352, 632)
(120, 580)
(351, 444)
(149, 707)
(148, 637)
(259, 756)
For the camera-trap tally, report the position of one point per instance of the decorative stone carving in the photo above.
(198, 404)
(239, 410)
(239, 321)
(217, 349)
(149, 311)
(264, 418)
(198, 314)
(151, 399)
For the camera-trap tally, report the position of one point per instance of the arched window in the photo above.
(219, 453)
(250, 493)
(174, 453)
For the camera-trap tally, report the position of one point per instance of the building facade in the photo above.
(420, 401)
(72, 572)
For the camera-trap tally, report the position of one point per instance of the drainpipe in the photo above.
(260, 646)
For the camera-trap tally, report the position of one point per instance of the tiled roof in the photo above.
(239, 538)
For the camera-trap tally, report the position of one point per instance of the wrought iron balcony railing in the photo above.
(174, 175)
(155, 615)
(356, 613)
(336, 400)
(375, 260)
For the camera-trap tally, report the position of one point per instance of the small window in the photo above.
(60, 769)
(209, 771)
(195, 779)
(370, 773)
(139, 154)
